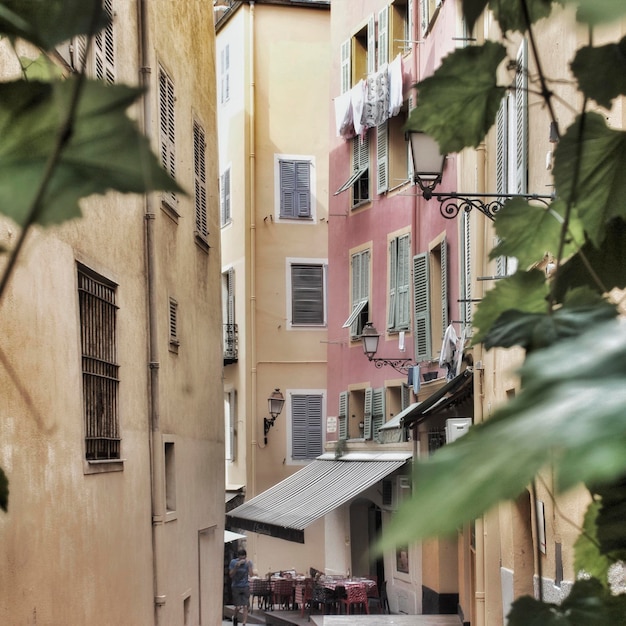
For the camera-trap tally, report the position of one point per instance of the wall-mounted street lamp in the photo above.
(274, 407)
(428, 164)
(370, 337)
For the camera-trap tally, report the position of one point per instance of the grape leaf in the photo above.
(458, 104)
(524, 291)
(105, 150)
(527, 231)
(594, 84)
(511, 17)
(599, 153)
(549, 421)
(598, 11)
(50, 22)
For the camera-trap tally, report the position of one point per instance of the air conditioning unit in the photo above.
(456, 427)
(395, 490)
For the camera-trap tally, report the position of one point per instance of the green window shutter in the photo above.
(444, 284)
(502, 171)
(421, 304)
(378, 411)
(521, 120)
(393, 272)
(306, 426)
(343, 415)
(466, 272)
(346, 62)
(367, 414)
(383, 36)
(382, 157)
(371, 44)
(360, 288)
(307, 294)
(403, 279)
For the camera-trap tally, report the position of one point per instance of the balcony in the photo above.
(231, 343)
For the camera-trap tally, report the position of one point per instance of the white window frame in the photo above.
(309, 219)
(230, 425)
(289, 263)
(226, 185)
(289, 430)
(224, 77)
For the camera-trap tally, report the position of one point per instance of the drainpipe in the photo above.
(155, 447)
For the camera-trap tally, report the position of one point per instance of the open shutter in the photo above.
(298, 427)
(371, 44)
(466, 277)
(403, 278)
(200, 195)
(346, 66)
(393, 273)
(356, 291)
(231, 296)
(502, 173)
(383, 36)
(521, 121)
(378, 411)
(421, 303)
(444, 284)
(343, 415)
(303, 188)
(382, 157)
(367, 414)
(103, 48)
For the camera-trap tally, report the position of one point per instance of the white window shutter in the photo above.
(403, 314)
(383, 36)
(371, 44)
(378, 411)
(382, 157)
(521, 120)
(393, 279)
(343, 415)
(346, 67)
(421, 304)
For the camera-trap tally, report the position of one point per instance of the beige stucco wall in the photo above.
(77, 546)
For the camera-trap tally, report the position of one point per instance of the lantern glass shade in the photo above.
(370, 338)
(427, 159)
(275, 403)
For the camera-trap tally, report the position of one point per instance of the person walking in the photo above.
(240, 569)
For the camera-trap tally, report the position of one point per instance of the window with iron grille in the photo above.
(98, 316)
(200, 197)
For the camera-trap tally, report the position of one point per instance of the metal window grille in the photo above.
(98, 314)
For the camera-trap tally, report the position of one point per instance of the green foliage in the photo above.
(569, 414)
(459, 103)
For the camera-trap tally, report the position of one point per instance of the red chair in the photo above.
(261, 590)
(282, 593)
(356, 596)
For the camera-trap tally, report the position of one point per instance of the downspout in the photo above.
(155, 447)
(252, 401)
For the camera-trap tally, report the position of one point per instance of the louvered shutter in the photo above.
(343, 415)
(383, 36)
(409, 27)
(103, 48)
(444, 284)
(421, 304)
(167, 123)
(367, 414)
(502, 174)
(382, 157)
(225, 196)
(306, 426)
(287, 176)
(371, 44)
(307, 294)
(346, 78)
(466, 279)
(403, 279)
(225, 73)
(231, 296)
(393, 272)
(378, 411)
(356, 290)
(199, 154)
(521, 120)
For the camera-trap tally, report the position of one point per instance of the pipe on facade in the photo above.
(155, 448)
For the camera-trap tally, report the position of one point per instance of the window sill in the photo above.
(171, 516)
(103, 466)
(168, 206)
(174, 346)
(202, 242)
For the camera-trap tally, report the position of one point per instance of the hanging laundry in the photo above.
(343, 116)
(357, 95)
(448, 352)
(376, 108)
(395, 86)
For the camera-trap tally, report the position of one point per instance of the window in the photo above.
(342, 416)
(358, 55)
(228, 317)
(173, 325)
(428, 13)
(360, 276)
(430, 299)
(398, 317)
(98, 317)
(294, 184)
(394, 30)
(101, 61)
(230, 417)
(392, 154)
(512, 145)
(308, 306)
(167, 135)
(225, 214)
(225, 74)
(359, 180)
(306, 426)
(200, 196)
(373, 413)
(170, 476)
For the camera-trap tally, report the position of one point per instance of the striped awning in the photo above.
(288, 507)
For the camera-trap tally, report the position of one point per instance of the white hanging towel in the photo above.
(357, 94)
(395, 86)
(448, 351)
(343, 115)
